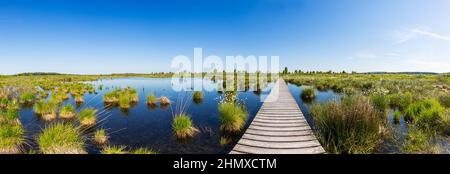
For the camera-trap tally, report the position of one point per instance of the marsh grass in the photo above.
(232, 117)
(87, 116)
(124, 102)
(397, 116)
(380, 103)
(143, 151)
(67, 112)
(46, 109)
(350, 126)
(100, 137)
(427, 114)
(27, 98)
(308, 93)
(197, 97)
(61, 138)
(152, 99)
(114, 150)
(418, 142)
(182, 126)
(400, 100)
(11, 138)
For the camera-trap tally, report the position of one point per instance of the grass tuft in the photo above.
(182, 126)
(350, 126)
(61, 138)
(232, 117)
(87, 117)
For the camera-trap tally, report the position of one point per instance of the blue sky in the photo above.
(114, 36)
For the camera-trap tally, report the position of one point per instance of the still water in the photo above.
(150, 127)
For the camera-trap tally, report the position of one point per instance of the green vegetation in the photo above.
(67, 112)
(100, 137)
(397, 116)
(61, 138)
(427, 114)
(11, 138)
(124, 97)
(182, 126)
(308, 93)
(232, 117)
(400, 101)
(379, 102)
(151, 99)
(114, 150)
(46, 109)
(143, 151)
(87, 117)
(27, 98)
(197, 97)
(349, 126)
(418, 141)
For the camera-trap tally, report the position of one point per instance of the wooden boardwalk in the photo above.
(279, 127)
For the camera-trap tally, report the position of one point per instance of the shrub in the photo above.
(232, 117)
(349, 126)
(182, 126)
(61, 138)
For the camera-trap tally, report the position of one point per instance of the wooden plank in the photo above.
(257, 150)
(278, 128)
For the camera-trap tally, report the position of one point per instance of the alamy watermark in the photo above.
(234, 73)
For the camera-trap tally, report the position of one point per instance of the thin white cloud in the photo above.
(405, 36)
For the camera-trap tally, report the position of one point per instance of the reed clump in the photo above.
(67, 112)
(87, 117)
(182, 126)
(232, 117)
(61, 138)
(349, 126)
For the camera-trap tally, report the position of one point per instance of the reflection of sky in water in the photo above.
(150, 127)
